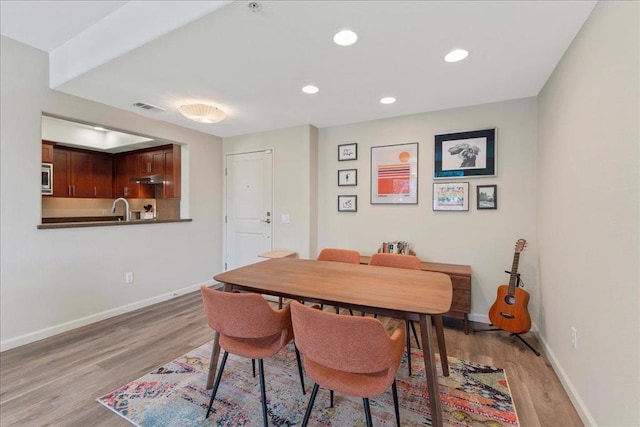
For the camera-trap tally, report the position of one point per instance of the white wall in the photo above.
(589, 216)
(483, 239)
(54, 280)
(293, 153)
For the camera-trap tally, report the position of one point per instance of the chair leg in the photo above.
(300, 368)
(280, 302)
(415, 334)
(330, 398)
(305, 421)
(263, 393)
(367, 412)
(253, 366)
(217, 383)
(396, 408)
(408, 338)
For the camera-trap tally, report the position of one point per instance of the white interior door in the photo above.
(249, 207)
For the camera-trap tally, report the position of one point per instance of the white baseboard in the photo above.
(73, 324)
(575, 398)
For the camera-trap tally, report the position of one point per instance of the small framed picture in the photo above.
(347, 177)
(347, 203)
(347, 152)
(450, 196)
(487, 196)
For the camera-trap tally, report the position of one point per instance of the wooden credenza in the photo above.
(461, 281)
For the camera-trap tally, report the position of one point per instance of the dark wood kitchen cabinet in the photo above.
(172, 172)
(82, 174)
(91, 174)
(47, 152)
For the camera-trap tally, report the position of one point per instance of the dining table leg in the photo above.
(431, 370)
(442, 348)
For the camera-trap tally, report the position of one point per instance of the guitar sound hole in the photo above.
(510, 299)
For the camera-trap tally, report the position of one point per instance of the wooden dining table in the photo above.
(395, 292)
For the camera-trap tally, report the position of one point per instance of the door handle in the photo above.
(267, 221)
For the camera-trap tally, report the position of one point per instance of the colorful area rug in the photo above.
(175, 395)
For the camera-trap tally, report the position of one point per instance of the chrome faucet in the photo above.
(127, 212)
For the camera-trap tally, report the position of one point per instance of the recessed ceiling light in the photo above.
(345, 38)
(388, 100)
(100, 128)
(310, 89)
(456, 55)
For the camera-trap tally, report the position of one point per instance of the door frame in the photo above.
(224, 199)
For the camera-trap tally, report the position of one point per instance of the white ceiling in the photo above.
(254, 64)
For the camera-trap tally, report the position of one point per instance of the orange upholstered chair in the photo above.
(409, 262)
(364, 364)
(247, 327)
(339, 255)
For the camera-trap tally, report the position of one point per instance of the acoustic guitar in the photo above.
(509, 311)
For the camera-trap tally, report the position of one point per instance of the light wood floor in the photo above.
(54, 382)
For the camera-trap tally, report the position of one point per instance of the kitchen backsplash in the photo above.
(55, 207)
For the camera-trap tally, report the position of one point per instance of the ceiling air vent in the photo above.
(148, 107)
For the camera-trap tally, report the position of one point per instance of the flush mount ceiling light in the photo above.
(388, 100)
(310, 89)
(345, 38)
(100, 128)
(202, 113)
(456, 55)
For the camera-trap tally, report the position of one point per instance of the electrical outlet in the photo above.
(574, 338)
(128, 277)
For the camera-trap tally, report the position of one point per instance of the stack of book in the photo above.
(397, 247)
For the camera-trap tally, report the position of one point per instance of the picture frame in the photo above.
(450, 196)
(348, 203)
(465, 154)
(487, 197)
(347, 177)
(347, 152)
(394, 174)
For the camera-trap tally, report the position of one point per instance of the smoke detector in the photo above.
(254, 6)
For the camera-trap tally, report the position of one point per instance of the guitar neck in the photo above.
(514, 273)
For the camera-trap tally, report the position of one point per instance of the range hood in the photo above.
(149, 179)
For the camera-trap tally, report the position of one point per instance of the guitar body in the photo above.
(509, 311)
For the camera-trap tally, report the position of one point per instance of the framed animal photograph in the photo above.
(450, 196)
(347, 177)
(465, 154)
(487, 196)
(347, 203)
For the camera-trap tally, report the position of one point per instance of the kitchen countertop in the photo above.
(106, 223)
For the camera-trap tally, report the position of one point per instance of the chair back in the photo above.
(339, 255)
(243, 315)
(345, 343)
(410, 262)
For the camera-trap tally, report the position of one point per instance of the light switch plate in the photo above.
(285, 219)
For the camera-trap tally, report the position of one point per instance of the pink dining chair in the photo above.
(352, 355)
(410, 262)
(247, 327)
(339, 255)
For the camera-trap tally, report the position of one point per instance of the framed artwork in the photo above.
(487, 196)
(347, 152)
(465, 154)
(394, 174)
(347, 203)
(450, 196)
(347, 177)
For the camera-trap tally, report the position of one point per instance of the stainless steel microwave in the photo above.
(47, 179)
